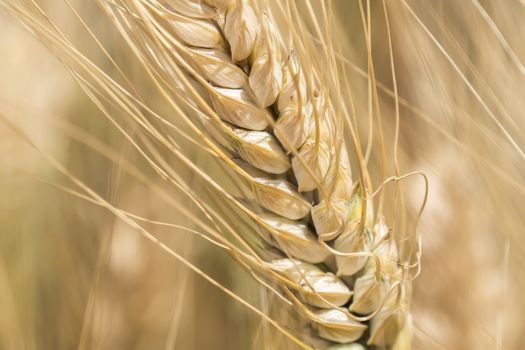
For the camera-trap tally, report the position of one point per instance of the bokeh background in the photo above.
(74, 276)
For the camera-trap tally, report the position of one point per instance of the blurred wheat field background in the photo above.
(73, 275)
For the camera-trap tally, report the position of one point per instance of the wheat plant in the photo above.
(250, 88)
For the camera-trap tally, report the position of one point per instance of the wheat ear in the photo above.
(270, 114)
(270, 120)
(273, 116)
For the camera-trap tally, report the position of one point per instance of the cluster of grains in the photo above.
(337, 266)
